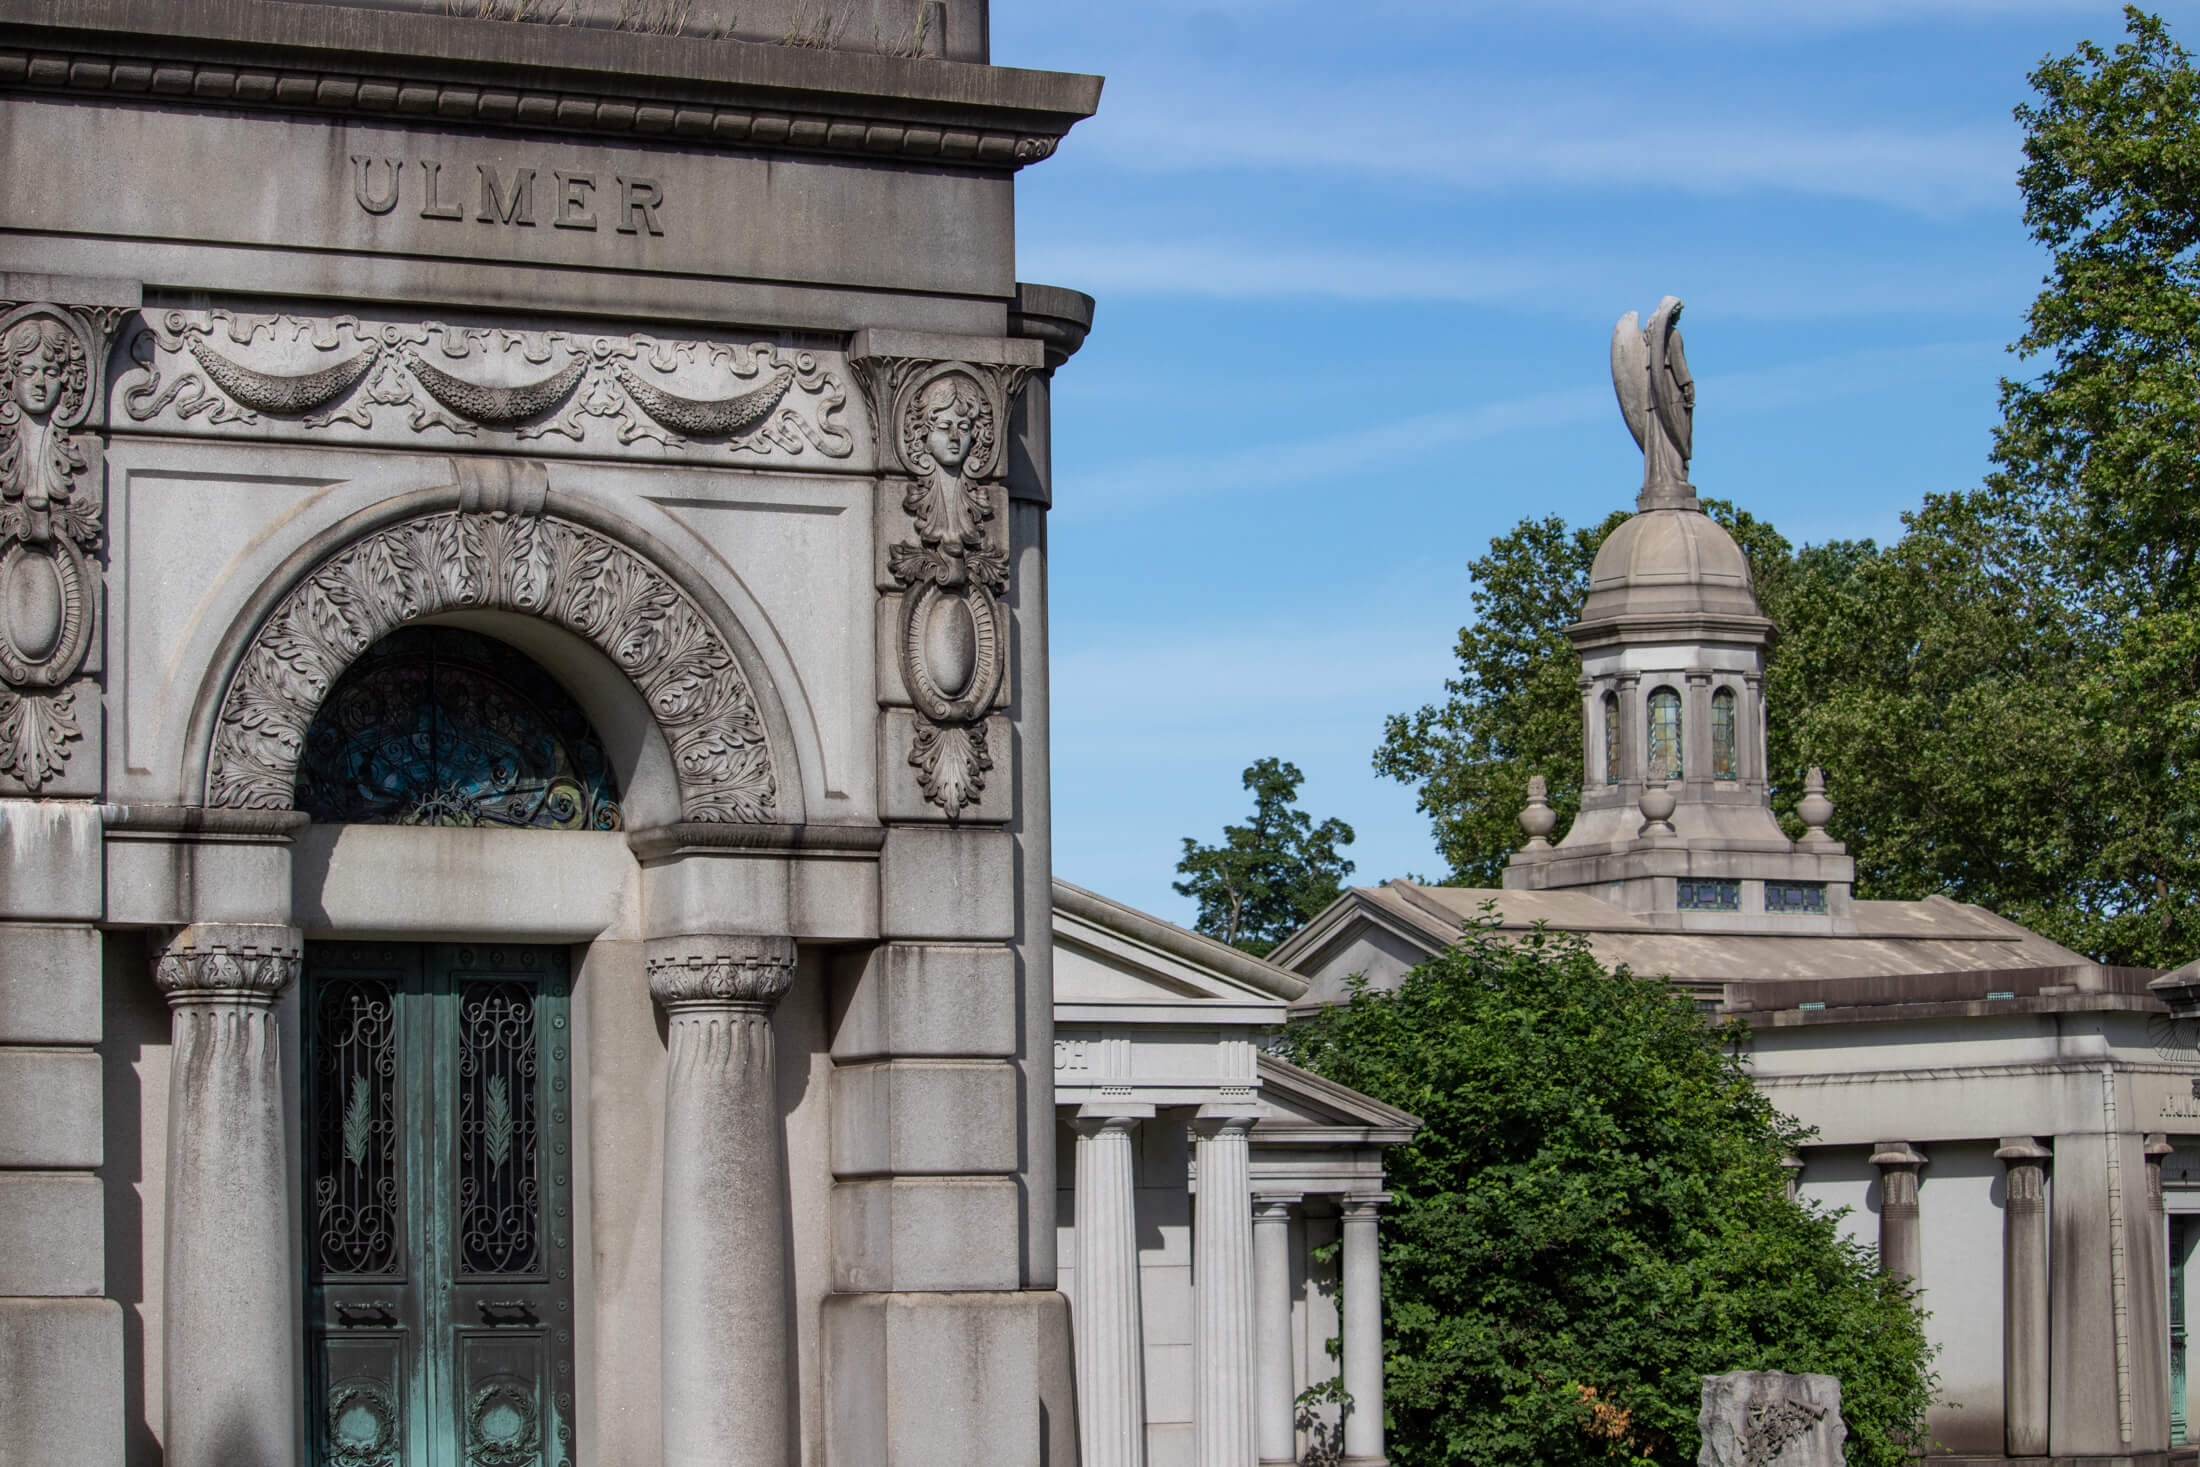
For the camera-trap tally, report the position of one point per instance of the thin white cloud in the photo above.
(1785, 289)
(1138, 484)
(1382, 127)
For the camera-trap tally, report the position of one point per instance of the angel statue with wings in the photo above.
(1658, 399)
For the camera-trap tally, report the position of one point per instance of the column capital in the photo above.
(1229, 1117)
(719, 968)
(1273, 1207)
(1363, 1204)
(250, 962)
(1100, 1116)
(2017, 1149)
(1896, 1153)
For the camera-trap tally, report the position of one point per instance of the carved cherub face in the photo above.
(950, 415)
(43, 364)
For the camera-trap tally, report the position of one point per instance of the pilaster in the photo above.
(2024, 1296)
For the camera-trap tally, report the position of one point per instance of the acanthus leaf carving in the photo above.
(541, 565)
(52, 365)
(203, 369)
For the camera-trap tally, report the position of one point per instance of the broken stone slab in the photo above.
(1758, 1418)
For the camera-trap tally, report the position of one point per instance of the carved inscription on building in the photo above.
(516, 196)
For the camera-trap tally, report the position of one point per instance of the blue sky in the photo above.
(1357, 268)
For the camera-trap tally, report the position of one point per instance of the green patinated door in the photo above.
(438, 1207)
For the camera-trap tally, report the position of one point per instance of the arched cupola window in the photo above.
(1665, 735)
(1725, 760)
(1611, 738)
(440, 726)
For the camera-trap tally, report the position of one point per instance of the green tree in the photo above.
(1271, 874)
(1595, 1216)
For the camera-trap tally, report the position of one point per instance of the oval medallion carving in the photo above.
(33, 599)
(951, 645)
(951, 679)
(45, 612)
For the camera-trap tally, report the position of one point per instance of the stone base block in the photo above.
(905, 999)
(916, 1379)
(924, 1118)
(927, 1233)
(60, 1382)
(52, 1235)
(947, 883)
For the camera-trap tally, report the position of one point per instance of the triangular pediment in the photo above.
(1108, 954)
(1300, 1098)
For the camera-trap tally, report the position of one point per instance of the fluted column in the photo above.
(726, 1345)
(1275, 1428)
(231, 1304)
(1363, 1330)
(1222, 1287)
(2024, 1337)
(1900, 1246)
(1106, 1320)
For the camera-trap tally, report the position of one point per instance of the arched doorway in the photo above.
(439, 1170)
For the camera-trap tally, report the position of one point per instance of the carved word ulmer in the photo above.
(518, 197)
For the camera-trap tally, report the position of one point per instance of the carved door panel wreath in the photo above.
(439, 1205)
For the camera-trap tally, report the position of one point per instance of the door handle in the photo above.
(507, 1311)
(381, 1311)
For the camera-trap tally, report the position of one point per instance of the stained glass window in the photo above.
(1795, 896)
(440, 726)
(1665, 734)
(1611, 738)
(1725, 762)
(1710, 896)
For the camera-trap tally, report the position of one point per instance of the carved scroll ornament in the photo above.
(540, 565)
(945, 420)
(51, 357)
(321, 373)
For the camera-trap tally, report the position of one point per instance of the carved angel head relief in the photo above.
(46, 368)
(947, 428)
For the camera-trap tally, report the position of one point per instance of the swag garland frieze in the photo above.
(536, 564)
(351, 379)
(52, 369)
(943, 424)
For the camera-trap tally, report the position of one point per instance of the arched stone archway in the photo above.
(569, 574)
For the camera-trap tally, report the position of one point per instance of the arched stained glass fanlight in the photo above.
(1725, 739)
(441, 726)
(1665, 735)
(1611, 738)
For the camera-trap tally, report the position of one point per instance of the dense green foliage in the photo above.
(1594, 1217)
(1270, 874)
(2006, 700)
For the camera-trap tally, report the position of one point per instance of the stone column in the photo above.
(1899, 1243)
(1110, 1335)
(1363, 1330)
(1276, 1429)
(1222, 1284)
(231, 1303)
(2024, 1338)
(726, 1349)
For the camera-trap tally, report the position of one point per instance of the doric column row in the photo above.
(1110, 1334)
(1222, 1282)
(726, 1355)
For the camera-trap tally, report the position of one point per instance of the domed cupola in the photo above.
(1676, 814)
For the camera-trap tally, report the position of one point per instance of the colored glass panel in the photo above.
(440, 726)
(1665, 735)
(1611, 738)
(1795, 896)
(1710, 896)
(1725, 760)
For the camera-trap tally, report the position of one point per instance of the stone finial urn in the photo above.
(1538, 818)
(1657, 806)
(1814, 807)
(1769, 1418)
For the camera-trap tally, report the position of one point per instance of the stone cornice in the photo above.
(355, 62)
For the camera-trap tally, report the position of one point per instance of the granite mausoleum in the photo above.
(2016, 1128)
(525, 897)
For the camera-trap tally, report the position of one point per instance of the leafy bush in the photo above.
(1594, 1217)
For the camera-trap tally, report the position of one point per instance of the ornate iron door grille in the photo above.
(439, 1205)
